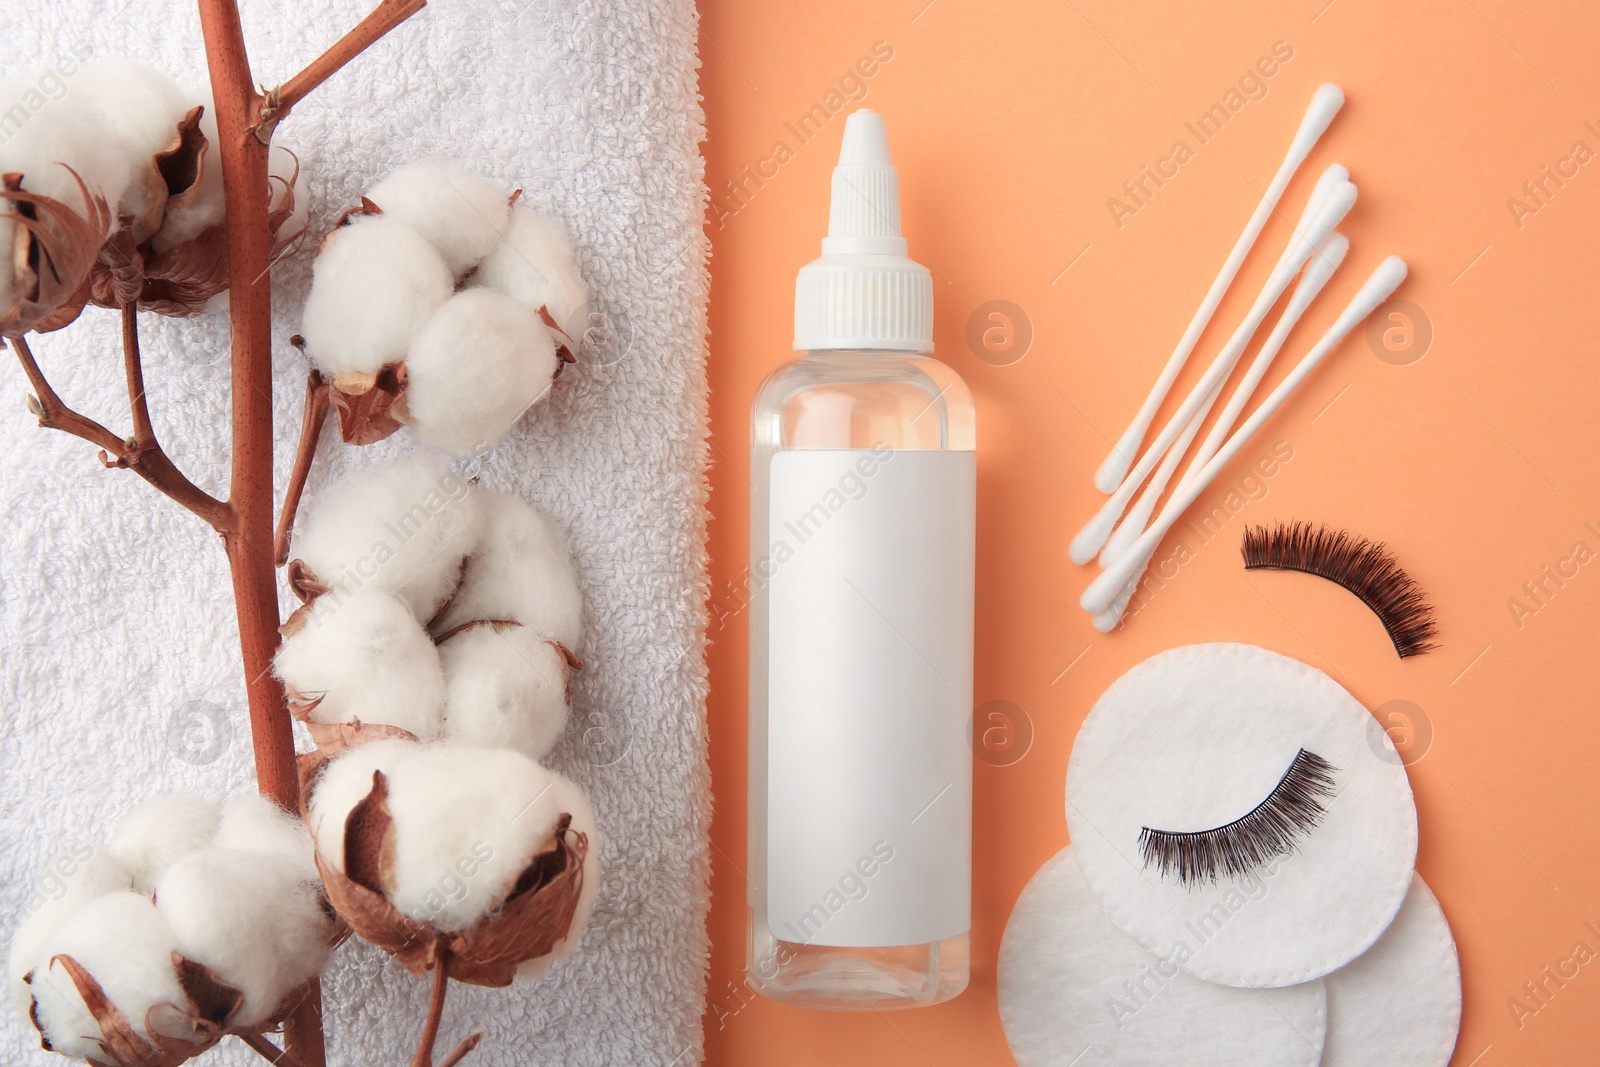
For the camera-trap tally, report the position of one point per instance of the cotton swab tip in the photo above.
(1325, 104)
(1106, 621)
(1115, 466)
(1102, 592)
(1378, 287)
(1094, 532)
(1387, 278)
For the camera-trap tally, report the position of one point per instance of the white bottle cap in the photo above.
(864, 292)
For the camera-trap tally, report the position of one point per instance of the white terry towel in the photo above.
(120, 674)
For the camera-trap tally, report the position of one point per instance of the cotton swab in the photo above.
(1319, 268)
(1338, 202)
(1330, 254)
(1103, 591)
(1325, 104)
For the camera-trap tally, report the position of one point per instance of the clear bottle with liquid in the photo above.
(862, 516)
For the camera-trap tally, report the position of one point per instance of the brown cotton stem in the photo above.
(316, 413)
(430, 1029)
(473, 1040)
(144, 434)
(249, 542)
(385, 17)
(144, 458)
(268, 1051)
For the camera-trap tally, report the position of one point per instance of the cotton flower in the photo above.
(157, 833)
(462, 215)
(374, 285)
(401, 527)
(535, 266)
(506, 687)
(456, 617)
(479, 363)
(224, 941)
(123, 942)
(128, 168)
(403, 346)
(443, 849)
(519, 570)
(363, 657)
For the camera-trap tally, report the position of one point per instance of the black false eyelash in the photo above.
(1269, 829)
(1365, 568)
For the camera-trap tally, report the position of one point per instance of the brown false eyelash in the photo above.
(1270, 829)
(1365, 568)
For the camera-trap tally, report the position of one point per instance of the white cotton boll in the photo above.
(124, 943)
(345, 783)
(252, 919)
(68, 882)
(504, 689)
(520, 570)
(374, 284)
(369, 659)
(479, 363)
(566, 796)
(251, 822)
(402, 527)
(460, 214)
(154, 835)
(467, 822)
(536, 267)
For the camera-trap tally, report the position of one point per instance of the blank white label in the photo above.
(869, 772)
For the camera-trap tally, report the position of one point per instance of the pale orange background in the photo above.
(1012, 124)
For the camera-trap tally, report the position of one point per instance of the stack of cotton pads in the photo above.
(1296, 933)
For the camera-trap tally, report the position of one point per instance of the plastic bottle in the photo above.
(861, 625)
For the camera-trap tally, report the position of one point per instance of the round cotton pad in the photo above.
(1400, 1001)
(1198, 737)
(1076, 990)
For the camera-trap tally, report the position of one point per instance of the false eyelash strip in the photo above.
(1366, 568)
(1270, 829)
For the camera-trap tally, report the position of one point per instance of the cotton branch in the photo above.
(462, 1049)
(316, 414)
(430, 1029)
(385, 17)
(140, 453)
(268, 1051)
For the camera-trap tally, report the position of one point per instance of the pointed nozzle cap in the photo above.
(864, 292)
